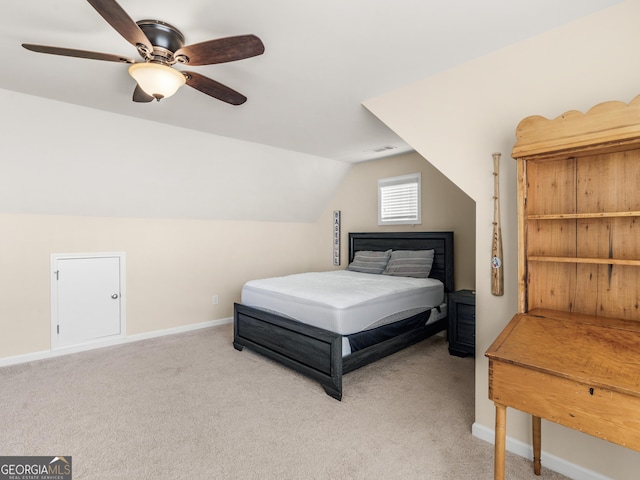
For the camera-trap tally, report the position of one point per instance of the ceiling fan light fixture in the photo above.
(159, 81)
(162, 46)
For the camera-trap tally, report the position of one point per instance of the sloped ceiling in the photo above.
(305, 94)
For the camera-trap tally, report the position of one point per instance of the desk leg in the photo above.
(500, 441)
(537, 440)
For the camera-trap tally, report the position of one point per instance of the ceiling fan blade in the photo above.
(70, 52)
(222, 50)
(115, 16)
(214, 89)
(140, 96)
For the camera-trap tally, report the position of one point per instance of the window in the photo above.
(399, 200)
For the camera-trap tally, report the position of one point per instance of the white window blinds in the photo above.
(399, 200)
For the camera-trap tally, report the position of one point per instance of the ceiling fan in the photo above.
(162, 46)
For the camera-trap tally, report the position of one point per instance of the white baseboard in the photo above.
(30, 357)
(549, 461)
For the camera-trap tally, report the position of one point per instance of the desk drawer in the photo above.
(600, 412)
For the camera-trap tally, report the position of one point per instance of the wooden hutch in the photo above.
(572, 353)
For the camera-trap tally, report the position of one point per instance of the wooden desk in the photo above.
(577, 370)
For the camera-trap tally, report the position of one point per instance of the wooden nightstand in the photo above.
(462, 323)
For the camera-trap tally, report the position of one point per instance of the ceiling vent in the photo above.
(384, 148)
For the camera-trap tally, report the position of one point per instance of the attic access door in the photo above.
(87, 302)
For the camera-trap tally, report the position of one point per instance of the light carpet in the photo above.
(189, 406)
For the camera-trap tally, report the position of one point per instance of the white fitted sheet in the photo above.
(342, 301)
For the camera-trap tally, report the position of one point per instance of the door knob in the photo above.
(114, 296)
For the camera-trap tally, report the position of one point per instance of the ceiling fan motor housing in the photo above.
(165, 38)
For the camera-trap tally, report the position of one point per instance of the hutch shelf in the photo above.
(571, 354)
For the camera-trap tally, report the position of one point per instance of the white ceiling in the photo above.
(305, 94)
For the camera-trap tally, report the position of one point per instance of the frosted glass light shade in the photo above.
(159, 81)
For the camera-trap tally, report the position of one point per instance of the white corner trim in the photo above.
(549, 461)
(30, 357)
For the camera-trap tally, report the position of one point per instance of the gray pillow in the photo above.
(367, 261)
(410, 263)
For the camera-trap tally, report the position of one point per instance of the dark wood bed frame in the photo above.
(316, 352)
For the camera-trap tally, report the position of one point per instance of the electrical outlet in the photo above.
(215, 299)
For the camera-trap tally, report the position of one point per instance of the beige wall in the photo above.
(76, 180)
(444, 207)
(458, 118)
(174, 267)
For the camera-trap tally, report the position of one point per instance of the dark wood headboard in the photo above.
(441, 242)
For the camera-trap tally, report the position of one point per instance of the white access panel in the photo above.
(87, 299)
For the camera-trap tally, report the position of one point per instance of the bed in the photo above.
(285, 333)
